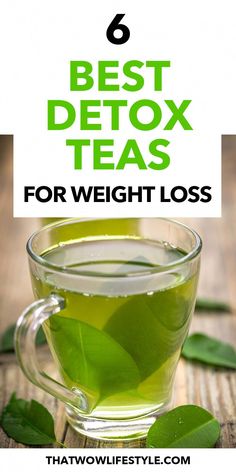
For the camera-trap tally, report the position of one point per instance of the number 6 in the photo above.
(114, 26)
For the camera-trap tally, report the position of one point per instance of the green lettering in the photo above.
(52, 105)
(139, 80)
(133, 115)
(104, 74)
(115, 111)
(136, 157)
(85, 114)
(158, 66)
(157, 153)
(99, 153)
(178, 115)
(78, 144)
(84, 75)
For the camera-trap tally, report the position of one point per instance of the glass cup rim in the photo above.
(154, 270)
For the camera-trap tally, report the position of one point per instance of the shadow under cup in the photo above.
(115, 298)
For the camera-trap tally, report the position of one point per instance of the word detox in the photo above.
(112, 112)
(119, 194)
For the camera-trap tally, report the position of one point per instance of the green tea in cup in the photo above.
(115, 298)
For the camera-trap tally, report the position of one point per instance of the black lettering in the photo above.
(79, 459)
(81, 192)
(149, 193)
(59, 193)
(28, 192)
(99, 194)
(132, 193)
(38, 194)
(180, 199)
(175, 460)
(56, 459)
(206, 194)
(163, 198)
(195, 196)
(49, 459)
(108, 194)
(185, 460)
(121, 195)
(116, 25)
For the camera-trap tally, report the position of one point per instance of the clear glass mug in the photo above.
(115, 299)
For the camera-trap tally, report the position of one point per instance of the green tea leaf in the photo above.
(187, 426)
(7, 339)
(91, 358)
(205, 304)
(28, 422)
(208, 350)
(152, 328)
(136, 329)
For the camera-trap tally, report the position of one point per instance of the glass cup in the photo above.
(115, 299)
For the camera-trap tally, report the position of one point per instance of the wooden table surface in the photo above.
(209, 387)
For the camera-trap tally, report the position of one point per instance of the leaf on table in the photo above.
(28, 422)
(208, 350)
(7, 339)
(40, 338)
(187, 426)
(205, 304)
(91, 358)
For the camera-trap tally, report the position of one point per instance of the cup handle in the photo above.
(25, 346)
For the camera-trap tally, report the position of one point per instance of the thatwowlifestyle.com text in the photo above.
(117, 460)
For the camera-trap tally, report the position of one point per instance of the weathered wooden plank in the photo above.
(209, 387)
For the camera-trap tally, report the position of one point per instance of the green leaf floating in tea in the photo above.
(91, 358)
(28, 422)
(203, 348)
(173, 305)
(151, 328)
(187, 426)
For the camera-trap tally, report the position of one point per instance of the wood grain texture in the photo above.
(214, 389)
